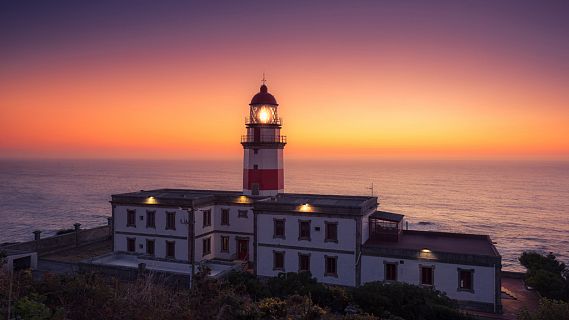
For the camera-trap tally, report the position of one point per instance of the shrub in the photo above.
(548, 310)
(546, 274)
(406, 301)
(32, 308)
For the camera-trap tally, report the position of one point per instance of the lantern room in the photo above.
(263, 108)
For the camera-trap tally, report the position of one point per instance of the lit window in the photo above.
(465, 279)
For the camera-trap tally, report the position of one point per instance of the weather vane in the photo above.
(264, 80)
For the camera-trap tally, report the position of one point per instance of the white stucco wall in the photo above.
(318, 248)
(445, 276)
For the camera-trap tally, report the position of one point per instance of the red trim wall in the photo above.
(268, 179)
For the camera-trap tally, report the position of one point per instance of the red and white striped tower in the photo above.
(263, 146)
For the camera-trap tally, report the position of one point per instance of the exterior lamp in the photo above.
(150, 200)
(425, 250)
(305, 207)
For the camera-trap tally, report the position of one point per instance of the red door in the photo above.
(242, 249)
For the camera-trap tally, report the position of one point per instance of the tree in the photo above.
(546, 274)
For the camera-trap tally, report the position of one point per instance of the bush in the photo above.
(548, 310)
(546, 274)
(32, 308)
(405, 301)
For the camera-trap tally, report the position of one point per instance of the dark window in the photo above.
(224, 244)
(330, 265)
(303, 262)
(427, 276)
(206, 218)
(150, 247)
(278, 260)
(225, 217)
(279, 229)
(242, 213)
(151, 219)
(465, 279)
(304, 230)
(206, 246)
(391, 271)
(331, 231)
(171, 249)
(131, 218)
(170, 221)
(255, 167)
(130, 244)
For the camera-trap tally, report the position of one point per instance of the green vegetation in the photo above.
(547, 275)
(548, 310)
(239, 296)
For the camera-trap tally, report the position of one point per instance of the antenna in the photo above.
(371, 188)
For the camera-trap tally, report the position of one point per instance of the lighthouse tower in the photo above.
(263, 146)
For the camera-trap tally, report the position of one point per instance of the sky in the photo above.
(354, 79)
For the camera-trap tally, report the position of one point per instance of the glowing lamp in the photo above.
(150, 200)
(425, 250)
(305, 207)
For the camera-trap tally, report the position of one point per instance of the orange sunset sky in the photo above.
(480, 79)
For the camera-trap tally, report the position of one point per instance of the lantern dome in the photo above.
(264, 97)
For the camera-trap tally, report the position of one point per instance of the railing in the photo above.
(253, 120)
(263, 139)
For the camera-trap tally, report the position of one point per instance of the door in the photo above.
(257, 134)
(242, 249)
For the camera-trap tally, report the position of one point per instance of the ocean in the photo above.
(521, 205)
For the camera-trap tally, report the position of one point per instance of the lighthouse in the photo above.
(263, 147)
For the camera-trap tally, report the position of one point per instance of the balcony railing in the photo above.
(263, 139)
(253, 120)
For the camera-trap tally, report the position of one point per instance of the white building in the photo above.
(341, 240)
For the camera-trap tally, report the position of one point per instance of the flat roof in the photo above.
(439, 242)
(319, 203)
(388, 216)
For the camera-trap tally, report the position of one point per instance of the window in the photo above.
(303, 262)
(465, 279)
(242, 213)
(206, 246)
(390, 271)
(131, 218)
(331, 232)
(150, 247)
(279, 228)
(303, 230)
(130, 244)
(224, 244)
(151, 219)
(278, 260)
(225, 217)
(255, 167)
(170, 221)
(171, 249)
(427, 276)
(330, 266)
(206, 218)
